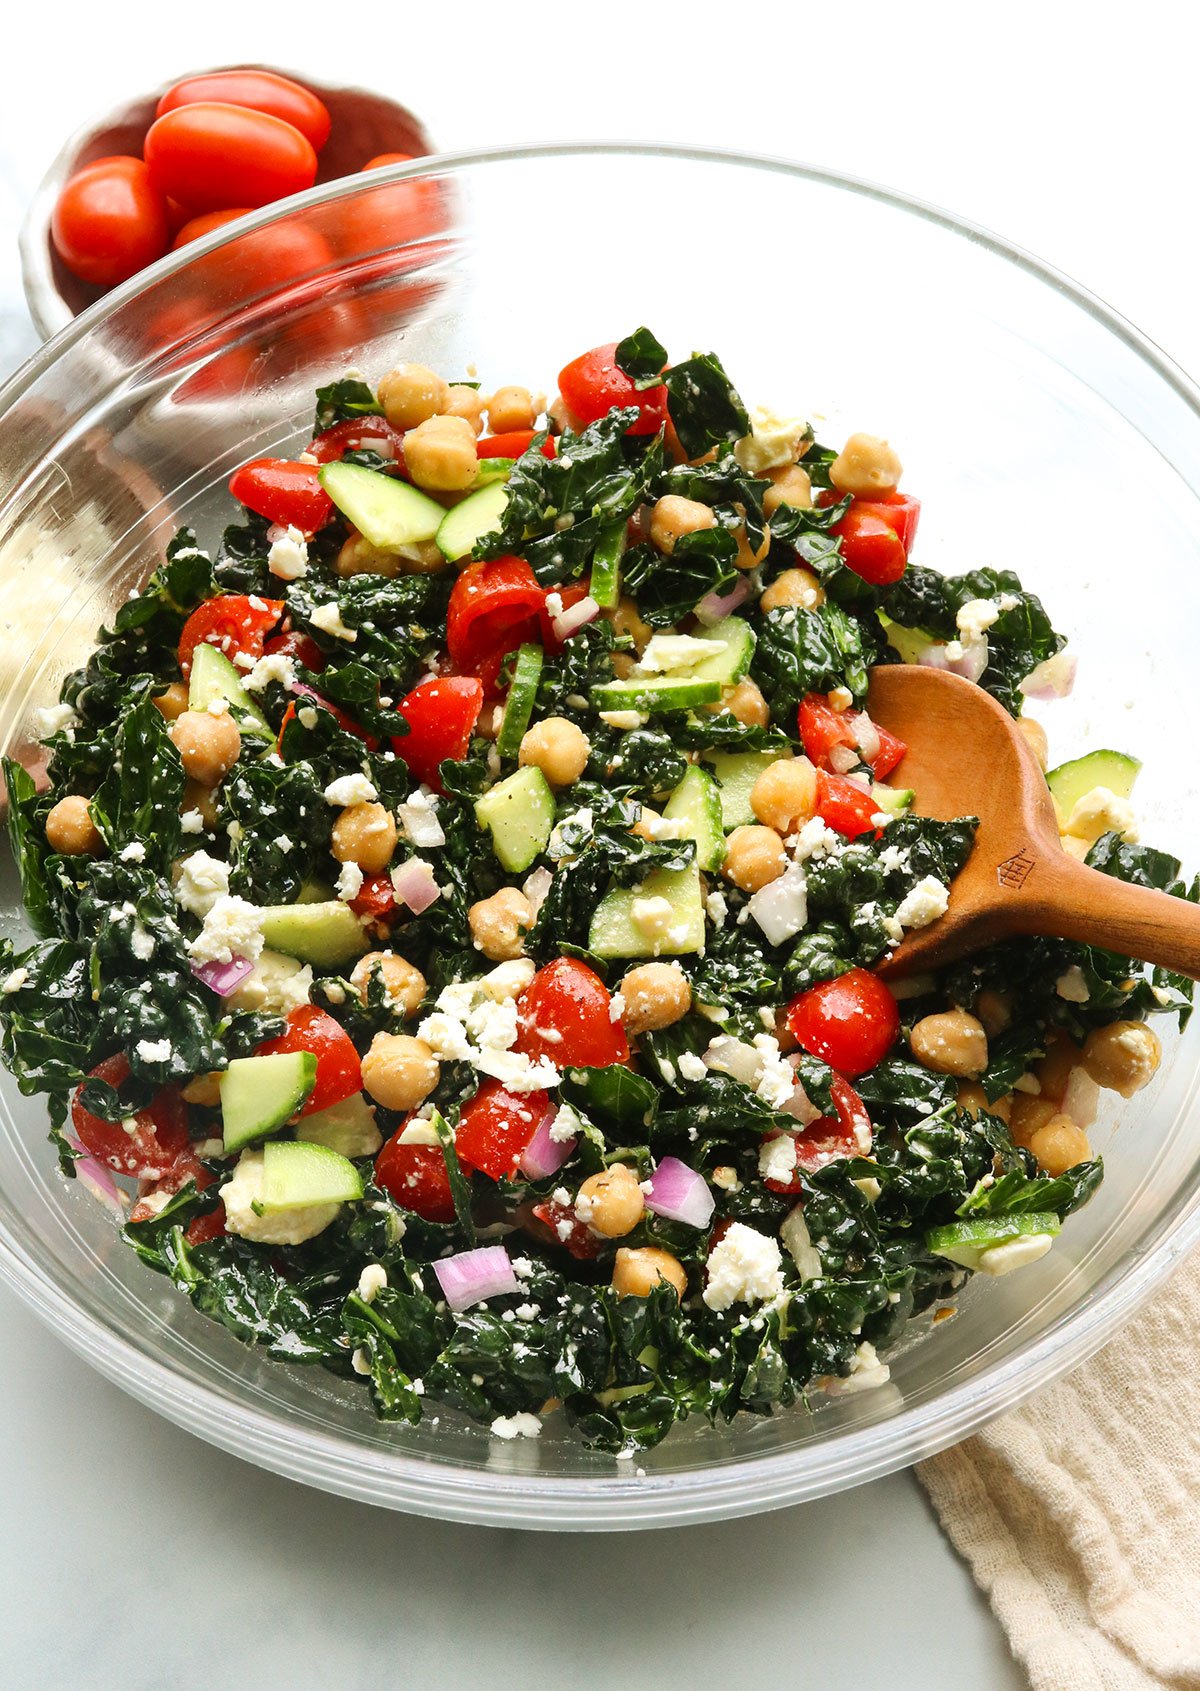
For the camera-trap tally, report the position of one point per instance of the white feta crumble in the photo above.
(232, 928)
(141, 943)
(556, 845)
(288, 557)
(744, 1267)
(349, 882)
(191, 822)
(772, 444)
(371, 1282)
(976, 617)
(15, 981)
(509, 980)
(716, 907)
(692, 1067)
(355, 788)
(667, 653)
(1014, 1253)
(154, 1050)
(554, 605)
(893, 858)
(328, 618)
(519, 1426)
(1072, 986)
(726, 1178)
(567, 1125)
(776, 1080)
(781, 907)
(242, 1197)
(446, 1037)
(814, 840)
(653, 917)
(928, 900)
(202, 881)
(625, 721)
(275, 666)
(866, 1374)
(616, 1007)
(1101, 811)
(777, 1159)
(53, 719)
(418, 819)
(134, 852)
(516, 1073)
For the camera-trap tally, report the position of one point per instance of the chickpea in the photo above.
(499, 924)
(358, 557)
(399, 1072)
(656, 995)
(196, 796)
(867, 466)
(174, 701)
(511, 408)
(412, 392)
(674, 516)
(203, 1089)
(1122, 1056)
(1060, 1145)
(404, 985)
(748, 558)
(973, 1099)
(798, 587)
(70, 829)
(626, 620)
(754, 857)
(789, 486)
(1035, 736)
(611, 1203)
(364, 834)
(952, 1042)
(994, 1010)
(1028, 1115)
(744, 700)
(209, 745)
(465, 402)
(785, 794)
(637, 1272)
(558, 748)
(1054, 1069)
(440, 454)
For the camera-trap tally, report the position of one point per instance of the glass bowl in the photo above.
(1040, 431)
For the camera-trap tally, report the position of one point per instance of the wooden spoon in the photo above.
(966, 757)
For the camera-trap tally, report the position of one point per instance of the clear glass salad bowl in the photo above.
(1041, 433)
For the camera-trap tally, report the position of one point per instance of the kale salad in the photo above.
(457, 891)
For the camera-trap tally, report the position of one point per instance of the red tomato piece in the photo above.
(302, 647)
(232, 622)
(382, 160)
(206, 1227)
(339, 716)
(441, 716)
(158, 1136)
(110, 221)
(891, 752)
(186, 1166)
(512, 444)
(260, 91)
(565, 1015)
(195, 227)
(822, 728)
(415, 1176)
(309, 1028)
(871, 547)
(851, 1022)
(900, 511)
(283, 492)
(375, 899)
(569, 1232)
(494, 608)
(591, 386)
(211, 155)
(843, 805)
(375, 434)
(495, 1127)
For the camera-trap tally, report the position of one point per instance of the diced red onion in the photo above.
(223, 978)
(277, 531)
(734, 1057)
(544, 1155)
(715, 607)
(536, 887)
(575, 617)
(781, 907)
(415, 884)
(970, 666)
(471, 1276)
(1081, 1100)
(680, 1194)
(800, 1105)
(1053, 678)
(95, 1176)
(867, 736)
(842, 759)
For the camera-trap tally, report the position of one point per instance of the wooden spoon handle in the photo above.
(1076, 902)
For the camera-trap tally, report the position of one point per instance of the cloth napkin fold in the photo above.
(1079, 1513)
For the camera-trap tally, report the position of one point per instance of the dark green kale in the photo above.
(342, 400)
(641, 357)
(705, 407)
(667, 589)
(802, 651)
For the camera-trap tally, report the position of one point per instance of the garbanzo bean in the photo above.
(627, 620)
(611, 1202)
(789, 486)
(637, 1272)
(1054, 1069)
(656, 995)
(866, 466)
(440, 454)
(364, 834)
(748, 556)
(173, 702)
(465, 402)
(974, 1099)
(1060, 1145)
(399, 1072)
(744, 700)
(951, 1042)
(357, 556)
(208, 744)
(70, 829)
(558, 748)
(785, 794)
(403, 983)
(673, 517)
(1123, 1056)
(511, 408)
(1035, 735)
(798, 587)
(499, 924)
(754, 857)
(412, 392)
(994, 1010)
(1029, 1113)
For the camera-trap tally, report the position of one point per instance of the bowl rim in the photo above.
(775, 1478)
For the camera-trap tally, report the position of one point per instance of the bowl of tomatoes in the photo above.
(166, 167)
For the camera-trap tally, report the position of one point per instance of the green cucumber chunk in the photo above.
(522, 696)
(258, 1094)
(386, 511)
(297, 1173)
(651, 697)
(969, 1243)
(736, 773)
(1071, 781)
(909, 642)
(606, 564)
(519, 811)
(663, 917)
(696, 803)
(734, 640)
(492, 469)
(214, 677)
(478, 514)
(892, 801)
(327, 933)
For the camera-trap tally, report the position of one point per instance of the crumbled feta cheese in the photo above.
(349, 882)
(814, 840)
(53, 719)
(652, 916)
(202, 881)
(777, 1159)
(519, 1426)
(554, 605)
(866, 1374)
(154, 1050)
(776, 1080)
(1072, 986)
(976, 617)
(232, 928)
(371, 1282)
(893, 859)
(217, 706)
(1014, 1253)
(667, 653)
(288, 557)
(516, 1073)
(928, 900)
(625, 721)
(446, 1037)
(419, 1132)
(276, 984)
(191, 822)
(141, 943)
(243, 1191)
(351, 789)
(840, 698)
(418, 820)
(617, 1006)
(1101, 811)
(328, 618)
(134, 852)
(716, 907)
(15, 981)
(567, 1125)
(772, 444)
(744, 1267)
(275, 666)
(692, 1067)
(509, 980)
(726, 1178)
(781, 907)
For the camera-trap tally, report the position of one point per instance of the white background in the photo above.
(130, 1554)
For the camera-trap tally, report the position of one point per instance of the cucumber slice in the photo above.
(696, 802)
(296, 1173)
(327, 934)
(522, 696)
(969, 1243)
(664, 917)
(1070, 781)
(520, 813)
(606, 565)
(492, 469)
(909, 642)
(654, 697)
(386, 511)
(479, 514)
(734, 640)
(893, 801)
(214, 677)
(736, 773)
(258, 1094)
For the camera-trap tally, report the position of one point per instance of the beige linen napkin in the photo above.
(1079, 1513)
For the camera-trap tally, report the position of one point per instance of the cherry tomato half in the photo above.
(822, 728)
(844, 806)
(570, 596)
(110, 221)
(850, 1023)
(232, 622)
(309, 1028)
(567, 1230)
(495, 1127)
(846, 1134)
(565, 1015)
(415, 1176)
(283, 492)
(512, 444)
(210, 155)
(441, 716)
(260, 91)
(205, 224)
(592, 385)
(186, 1166)
(899, 510)
(376, 434)
(493, 609)
(375, 900)
(891, 752)
(158, 1136)
(871, 547)
(302, 647)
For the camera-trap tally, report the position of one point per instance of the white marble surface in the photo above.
(134, 1556)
